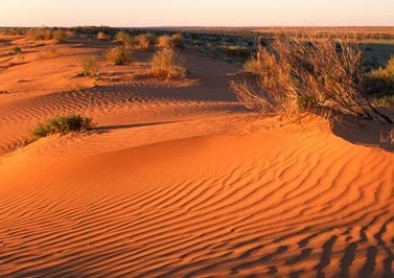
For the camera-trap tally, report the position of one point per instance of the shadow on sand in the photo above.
(363, 131)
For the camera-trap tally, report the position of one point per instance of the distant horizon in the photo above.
(203, 13)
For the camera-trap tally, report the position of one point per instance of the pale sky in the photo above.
(132, 13)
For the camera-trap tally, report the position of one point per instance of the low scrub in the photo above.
(166, 63)
(177, 40)
(102, 36)
(382, 79)
(293, 75)
(125, 38)
(63, 125)
(119, 56)
(90, 66)
(164, 41)
(145, 41)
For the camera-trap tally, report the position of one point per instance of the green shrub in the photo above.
(90, 66)
(119, 56)
(63, 125)
(166, 63)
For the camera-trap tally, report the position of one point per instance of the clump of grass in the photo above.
(61, 35)
(40, 34)
(119, 56)
(177, 40)
(63, 125)
(385, 101)
(165, 41)
(383, 78)
(166, 63)
(102, 36)
(124, 38)
(90, 66)
(16, 50)
(145, 41)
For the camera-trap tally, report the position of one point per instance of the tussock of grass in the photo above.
(63, 125)
(119, 56)
(145, 41)
(382, 79)
(124, 38)
(90, 66)
(102, 36)
(166, 63)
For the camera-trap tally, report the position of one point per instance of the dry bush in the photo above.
(102, 36)
(302, 72)
(166, 63)
(90, 66)
(145, 41)
(177, 40)
(119, 56)
(38, 34)
(124, 38)
(165, 41)
(61, 35)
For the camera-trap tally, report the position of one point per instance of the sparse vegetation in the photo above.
(385, 101)
(382, 79)
(61, 35)
(293, 74)
(16, 50)
(165, 41)
(63, 125)
(102, 36)
(119, 56)
(124, 38)
(166, 63)
(177, 40)
(40, 34)
(90, 66)
(145, 41)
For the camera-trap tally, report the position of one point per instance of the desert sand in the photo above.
(179, 180)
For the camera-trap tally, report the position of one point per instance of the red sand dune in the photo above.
(182, 182)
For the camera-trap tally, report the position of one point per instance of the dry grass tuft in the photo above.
(296, 74)
(119, 56)
(145, 41)
(167, 64)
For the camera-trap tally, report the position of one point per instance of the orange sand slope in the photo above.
(186, 183)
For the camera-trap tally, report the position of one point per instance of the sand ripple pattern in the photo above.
(203, 207)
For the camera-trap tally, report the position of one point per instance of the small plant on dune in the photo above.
(61, 35)
(385, 101)
(124, 38)
(166, 63)
(16, 50)
(40, 34)
(90, 66)
(63, 125)
(145, 41)
(382, 78)
(177, 40)
(293, 74)
(164, 41)
(102, 36)
(119, 56)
